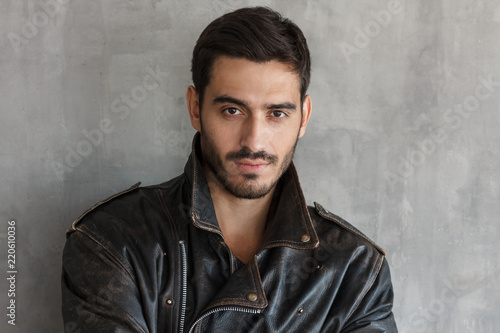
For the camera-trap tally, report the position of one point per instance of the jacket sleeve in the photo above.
(374, 313)
(99, 293)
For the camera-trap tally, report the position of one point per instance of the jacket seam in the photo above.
(200, 222)
(164, 206)
(350, 229)
(373, 274)
(195, 182)
(207, 226)
(177, 287)
(257, 281)
(143, 329)
(298, 193)
(75, 222)
(116, 258)
(293, 244)
(233, 301)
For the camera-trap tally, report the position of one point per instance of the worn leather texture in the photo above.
(153, 259)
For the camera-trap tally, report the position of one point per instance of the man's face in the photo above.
(250, 122)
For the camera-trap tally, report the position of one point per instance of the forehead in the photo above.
(251, 80)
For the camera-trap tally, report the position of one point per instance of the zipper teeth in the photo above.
(184, 286)
(226, 308)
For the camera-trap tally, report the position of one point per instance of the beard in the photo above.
(248, 188)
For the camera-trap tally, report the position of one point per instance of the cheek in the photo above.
(224, 139)
(282, 144)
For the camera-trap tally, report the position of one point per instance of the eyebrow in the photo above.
(228, 99)
(239, 102)
(286, 106)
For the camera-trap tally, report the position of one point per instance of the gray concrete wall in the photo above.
(403, 141)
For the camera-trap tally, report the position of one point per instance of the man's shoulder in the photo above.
(129, 208)
(99, 205)
(329, 225)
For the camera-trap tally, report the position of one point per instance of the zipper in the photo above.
(183, 286)
(226, 308)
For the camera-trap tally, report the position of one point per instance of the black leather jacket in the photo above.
(153, 259)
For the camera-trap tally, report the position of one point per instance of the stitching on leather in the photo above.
(75, 222)
(258, 282)
(195, 177)
(115, 258)
(346, 227)
(296, 185)
(204, 225)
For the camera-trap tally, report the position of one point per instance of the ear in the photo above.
(306, 113)
(193, 103)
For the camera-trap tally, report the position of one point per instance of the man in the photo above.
(230, 245)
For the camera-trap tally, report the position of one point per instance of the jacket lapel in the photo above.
(289, 223)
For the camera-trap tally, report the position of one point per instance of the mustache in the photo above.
(247, 153)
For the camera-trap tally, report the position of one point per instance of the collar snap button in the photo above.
(252, 297)
(305, 238)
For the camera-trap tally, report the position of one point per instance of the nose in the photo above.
(253, 134)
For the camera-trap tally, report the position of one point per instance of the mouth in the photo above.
(251, 166)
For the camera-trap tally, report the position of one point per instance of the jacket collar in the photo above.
(289, 223)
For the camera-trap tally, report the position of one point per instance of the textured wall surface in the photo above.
(403, 140)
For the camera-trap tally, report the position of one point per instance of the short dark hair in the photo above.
(258, 34)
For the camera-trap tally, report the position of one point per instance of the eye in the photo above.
(278, 114)
(231, 111)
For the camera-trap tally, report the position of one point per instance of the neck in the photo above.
(242, 221)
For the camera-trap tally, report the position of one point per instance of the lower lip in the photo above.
(251, 168)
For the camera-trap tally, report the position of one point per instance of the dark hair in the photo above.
(257, 34)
